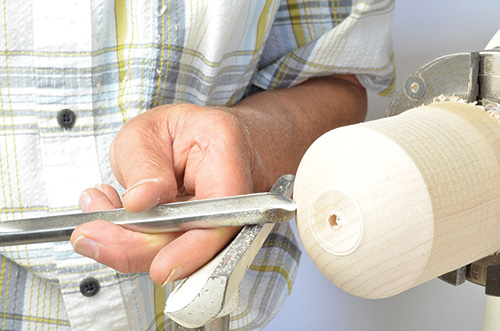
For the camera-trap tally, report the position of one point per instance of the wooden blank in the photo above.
(386, 205)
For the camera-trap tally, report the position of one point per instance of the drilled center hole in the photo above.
(335, 222)
(414, 87)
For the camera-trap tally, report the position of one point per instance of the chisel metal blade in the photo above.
(240, 210)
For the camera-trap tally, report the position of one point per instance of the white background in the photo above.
(422, 31)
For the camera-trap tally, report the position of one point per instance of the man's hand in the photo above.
(170, 153)
(182, 152)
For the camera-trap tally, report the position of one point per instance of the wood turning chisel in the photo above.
(205, 299)
(240, 210)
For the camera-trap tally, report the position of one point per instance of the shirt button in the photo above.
(66, 118)
(89, 287)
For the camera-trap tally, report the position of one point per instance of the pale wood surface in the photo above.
(386, 205)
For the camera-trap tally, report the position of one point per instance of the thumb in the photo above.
(141, 160)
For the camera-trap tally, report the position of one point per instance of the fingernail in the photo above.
(140, 183)
(84, 201)
(175, 274)
(99, 187)
(86, 247)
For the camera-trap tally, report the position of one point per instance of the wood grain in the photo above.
(386, 205)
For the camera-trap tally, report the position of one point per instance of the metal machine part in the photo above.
(451, 75)
(233, 211)
(471, 77)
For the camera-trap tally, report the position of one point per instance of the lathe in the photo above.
(386, 205)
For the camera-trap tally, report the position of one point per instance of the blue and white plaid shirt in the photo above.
(109, 61)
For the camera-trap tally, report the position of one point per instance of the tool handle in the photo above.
(386, 205)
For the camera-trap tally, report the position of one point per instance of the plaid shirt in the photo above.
(109, 61)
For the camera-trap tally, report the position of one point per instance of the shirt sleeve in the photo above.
(312, 38)
(309, 39)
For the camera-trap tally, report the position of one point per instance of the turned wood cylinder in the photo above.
(386, 205)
